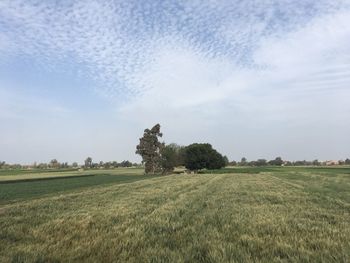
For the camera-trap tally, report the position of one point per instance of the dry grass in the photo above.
(186, 218)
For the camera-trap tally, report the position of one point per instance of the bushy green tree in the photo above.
(216, 160)
(261, 162)
(202, 155)
(277, 161)
(169, 158)
(149, 148)
(126, 164)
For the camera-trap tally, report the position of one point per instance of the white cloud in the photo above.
(117, 40)
(200, 64)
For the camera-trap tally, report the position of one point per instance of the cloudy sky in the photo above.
(255, 78)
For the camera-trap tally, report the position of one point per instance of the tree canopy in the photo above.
(202, 155)
(150, 149)
(168, 158)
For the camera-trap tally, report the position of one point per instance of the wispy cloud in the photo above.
(119, 41)
(198, 62)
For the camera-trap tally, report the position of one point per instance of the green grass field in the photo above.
(20, 188)
(232, 215)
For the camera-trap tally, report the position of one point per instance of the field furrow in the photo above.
(180, 218)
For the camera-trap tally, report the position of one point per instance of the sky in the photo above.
(255, 78)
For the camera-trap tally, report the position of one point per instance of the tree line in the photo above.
(279, 162)
(158, 157)
(54, 164)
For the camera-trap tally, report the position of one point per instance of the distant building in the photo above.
(331, 162)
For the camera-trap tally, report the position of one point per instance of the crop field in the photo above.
(24, 186)
(26, 175)
(286, 214)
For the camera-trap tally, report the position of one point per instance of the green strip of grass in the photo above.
(32, 179)
(9, 172)
(24, 190)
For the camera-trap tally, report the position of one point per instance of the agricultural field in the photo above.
(21, 185)
(269, 214)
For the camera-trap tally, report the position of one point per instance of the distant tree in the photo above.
(125, 164)
(75, 165)
(226, 160)
(202, 155)
(315, 162)
(261, 162)
(243, 161)
(288, 163)
(300, 163)
(347, 161)
(107, 165)
(169, 158)
(88, 162)
(64, 165)
(233, 163)
(2, 164)
(251, 163)
(341, 162)
(277, 161)
(54, 163)
(149, 148)
(43, 165)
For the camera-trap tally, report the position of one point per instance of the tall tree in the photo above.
(54, 163)
(150, 149)
(88, 162)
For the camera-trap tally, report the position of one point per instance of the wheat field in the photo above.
(294, 215)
